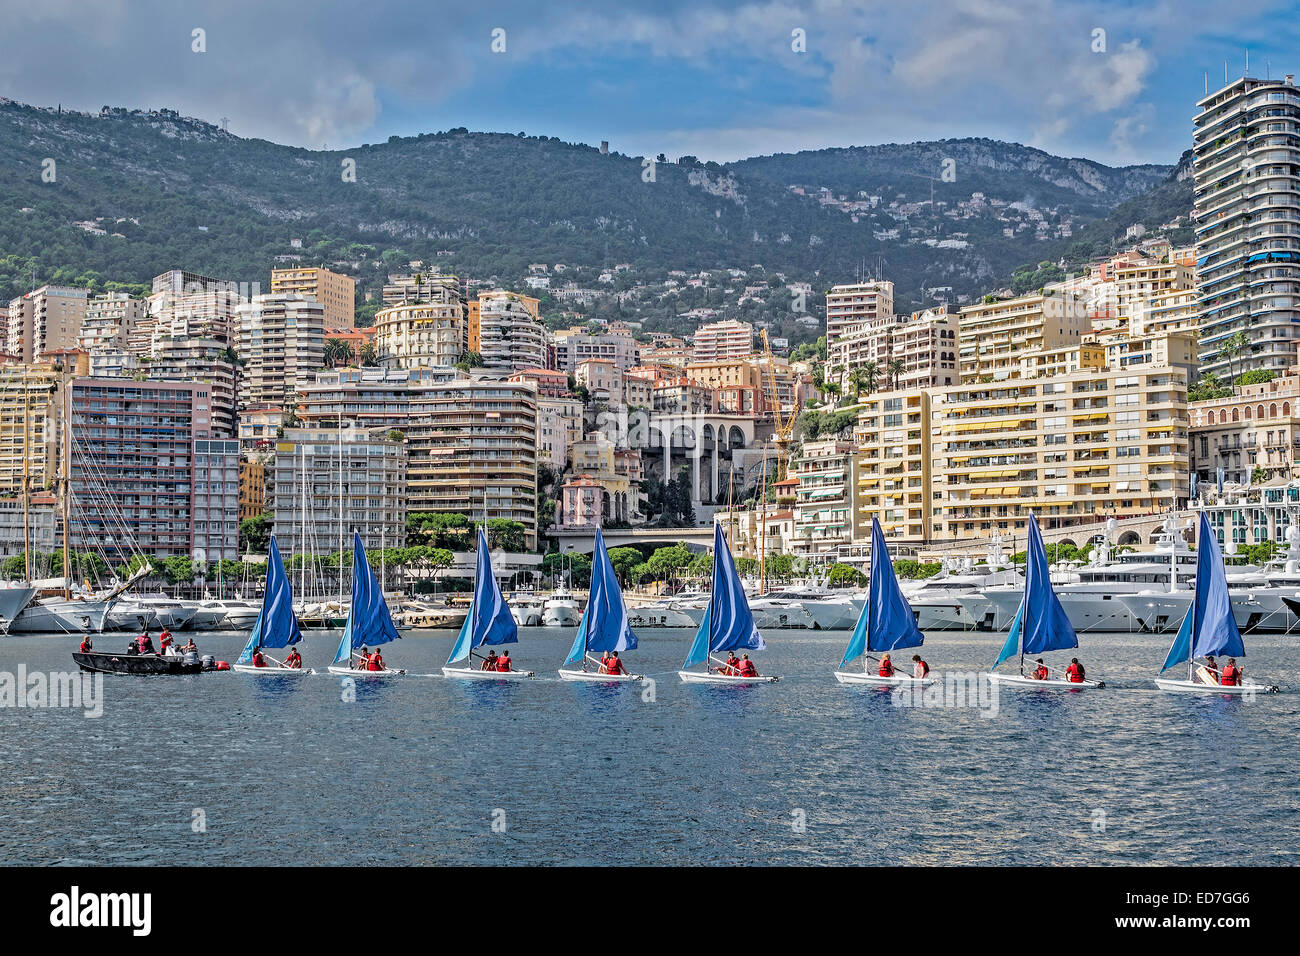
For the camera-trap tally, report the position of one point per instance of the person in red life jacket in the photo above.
(376, 661)
(165, 640)
(1040, 672)
(294, 660)
(146, 644)
(747, 668)
(886, 667)
(1075, 673)
(258, 659)
(1231, 676)
(1213, 668)
(920, 669)
(87, 645)
(503, 662)
(363, 659)
(489, 662)
(612, 664)
(733, 665)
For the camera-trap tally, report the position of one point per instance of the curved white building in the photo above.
(421, 334)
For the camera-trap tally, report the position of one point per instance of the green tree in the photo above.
(255, 534)
(845, 575)
(624, 560)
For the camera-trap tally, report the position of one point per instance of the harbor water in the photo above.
(225, 768)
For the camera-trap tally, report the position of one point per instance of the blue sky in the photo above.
(715, 78)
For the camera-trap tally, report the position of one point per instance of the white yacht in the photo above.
(658, 614)
(526, 608)
(953, 599)
(561, 609)
(827, 609)
(235, 614)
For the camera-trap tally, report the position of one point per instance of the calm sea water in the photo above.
(416, 770)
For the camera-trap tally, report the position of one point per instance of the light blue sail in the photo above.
(699, 651)
(1044, 625)
(1012, 644)
(489, 620)
(728, 624)
(1208, 628)
(275, 626)
(886, 622)
(604, 625)
(369, 622)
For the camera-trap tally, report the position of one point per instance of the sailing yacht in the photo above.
(886, 623)
(488, 622)
(276, 625)
(1208, 628)
(369, 624)
(1040, 625)
(727, 624)
(604, 625)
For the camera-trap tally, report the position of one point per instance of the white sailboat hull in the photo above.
(470, 673)
(272, 671)
(342, 670)
(1052, 683)
(699, 677)
(898, 680)
(658, 615)
(592, 677)
(1196, 687)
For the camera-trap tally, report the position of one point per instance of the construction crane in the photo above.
(784, 427)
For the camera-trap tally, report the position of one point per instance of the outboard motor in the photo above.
(209, 661)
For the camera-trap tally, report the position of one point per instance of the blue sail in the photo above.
(1208, 627)
(275, 626)
(369, 622)
(604, 625)
(699, 651)
(489, 620)
(731, 625)
(1045, 626)
(893, 625)
(1012, 644)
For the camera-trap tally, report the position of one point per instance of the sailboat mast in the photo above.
(340, 508)
(27, 488)
(762, 532)
(67, 491)
(302, 523)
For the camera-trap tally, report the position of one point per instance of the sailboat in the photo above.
(488, 622)
(604, 625)
(369, 624)
(1208, 627)
(276, 625)
(885, 624)
(1040, 625)
(728, 624)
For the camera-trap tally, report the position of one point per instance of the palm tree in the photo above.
(856, 378)
(896, 368)
(1231, 350)
(336, 351)
(870, 372)
(369, 355)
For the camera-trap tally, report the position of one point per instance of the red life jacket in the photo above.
(376, 662)
(1230, 676)
(259, 660)
(747, 669)
(503, 664)
(886, 669)
(613, 665)
(1040, 673)
(924, 667)
(1075, 673)
(85, 645)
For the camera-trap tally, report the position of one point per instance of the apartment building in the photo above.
(336, 292)
(472, 446)
(45, 320)
(331, 482)
(576, 345)
(252, 488)
(145, 474)
(110, 320)
(855, 304)
(903, 352)
(422, 287)
(184, 305)
(282, 344)
(1072, 449)
(825, 509)
(892, 441)
(193, 359)
(33, 401)
(683, 396)
(1246, 143)
(991, 335)
(1251, 434)
(509, 334)
(431, 331)
(727, 339)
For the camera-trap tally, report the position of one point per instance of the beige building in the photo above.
(473, 450)
(47, 319)
(433, 333)
(507, 331)
(992, 335)
(1257, 428)
(110, 320)
(32, 402)
(1072, 449)
(892, 438)
(856, 304)
(282, 345)
(919, 351)
(825, 510)
(576, 345)
(727, 339)
(337, 293)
